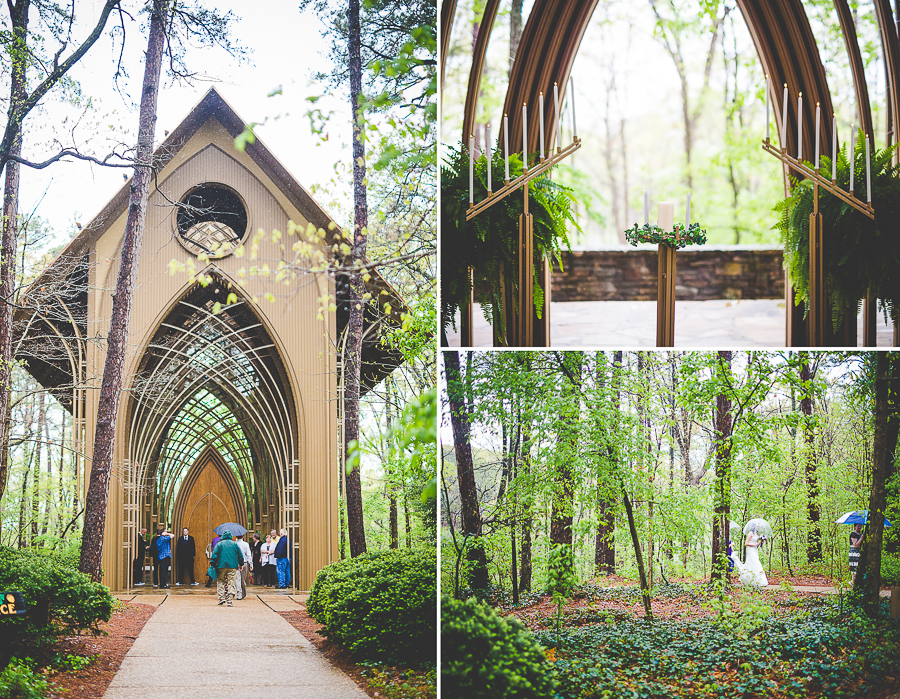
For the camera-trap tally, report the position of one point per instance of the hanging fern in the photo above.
(860, 255)
(488, 242)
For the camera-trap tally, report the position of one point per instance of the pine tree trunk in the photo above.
(465, 469)
(9, 228)
(722, 484)
(567, 433)
(814, 536)
(113, 371)
(353, 352)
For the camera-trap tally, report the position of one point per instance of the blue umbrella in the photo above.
(857, 517)
(235, 529)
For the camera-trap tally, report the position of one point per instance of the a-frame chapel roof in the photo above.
(64, 282)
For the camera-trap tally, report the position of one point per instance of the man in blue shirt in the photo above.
(164, 556)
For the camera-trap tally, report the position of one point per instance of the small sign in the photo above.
(12, 604)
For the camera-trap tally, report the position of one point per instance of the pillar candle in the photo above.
(558, 121)
(817, 135)
(487, 152)
(524, 138)
(800, 126)
(665, 216)
(784, 124)
(541, 110)
(687, 214)
(471, 169)
(646, 208)
(506, 144)
(767, 106)
(834, 150)
(574, 127)
(852, 154)
(868, 174)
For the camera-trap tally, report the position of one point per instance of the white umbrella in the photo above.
(733, 525)
(762, 527)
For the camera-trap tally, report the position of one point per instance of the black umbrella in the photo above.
(234, 528)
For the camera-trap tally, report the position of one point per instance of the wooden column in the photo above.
(817, 310)
(665, 297)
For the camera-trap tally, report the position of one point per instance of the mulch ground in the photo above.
(338, 656)
(91, 682)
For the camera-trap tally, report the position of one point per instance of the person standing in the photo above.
(855, 546)
(267, 557)
(281, 559)
(246, 566)
(256, 546)
(154, 560)
(185, 553)
(164, 556)
(226, 559)
(140, 549)
(209, 549)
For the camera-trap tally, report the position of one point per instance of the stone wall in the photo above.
(629, 274)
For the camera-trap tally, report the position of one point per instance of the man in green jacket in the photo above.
(226, 558)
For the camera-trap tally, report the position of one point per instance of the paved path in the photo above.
(193, 649)
(622, 324)
(821, 589)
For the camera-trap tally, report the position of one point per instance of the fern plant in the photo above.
(860, 255)
(488, 242)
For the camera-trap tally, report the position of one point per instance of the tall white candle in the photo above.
(767, 106)
(506, 144)
(541, 110)
(524, 138)
(558, 120)
(487, 151)
(472, 169)
(784, 124)
(800, 126)
(818, 117)
(868, 174)
(834, 150)
(646, 208)
(574, 127)
(665, 215)
(852, 154)
(687, 213)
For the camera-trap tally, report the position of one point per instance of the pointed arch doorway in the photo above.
(208, 496)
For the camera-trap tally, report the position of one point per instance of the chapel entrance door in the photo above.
(208, 497)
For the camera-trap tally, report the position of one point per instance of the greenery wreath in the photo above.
(860, 256)
(677, 238)
(487, 244)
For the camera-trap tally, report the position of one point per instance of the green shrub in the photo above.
(19, 681)
(486, 655)
(381, 605)
(890, 570)
(61, 601)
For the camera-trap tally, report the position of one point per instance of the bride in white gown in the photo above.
(751, 572)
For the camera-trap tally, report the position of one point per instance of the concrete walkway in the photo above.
(192, 648)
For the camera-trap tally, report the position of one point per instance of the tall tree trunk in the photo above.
(525, 568)
(722, 485)
(567, 434)
(465, 469)
(814, 536)
(36, 483)
(604, 541)
(353, 352)
(407, 521)
(9, 231)
(114, 368)
(639, 557)
(515, 32)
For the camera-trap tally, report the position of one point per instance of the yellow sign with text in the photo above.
(12, 604)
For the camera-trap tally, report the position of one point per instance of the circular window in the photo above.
(212, 220)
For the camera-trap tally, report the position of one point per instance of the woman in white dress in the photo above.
(752, 573)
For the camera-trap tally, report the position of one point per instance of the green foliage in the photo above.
(19, 681)
(61, 600)
(741, 619)
(560, 577)
(860, 255)
(75, 663)
(890, 569)
(807, 654)
(409, 685)
(417, 439)
(486, 656)
(488, 242)
(380, 605)
(676, 238)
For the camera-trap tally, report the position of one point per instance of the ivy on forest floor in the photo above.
(803, 647)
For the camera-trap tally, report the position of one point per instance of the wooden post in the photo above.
(870, 338)
(895, 603)
(466, 323)
(817, 309)
(665, 297)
